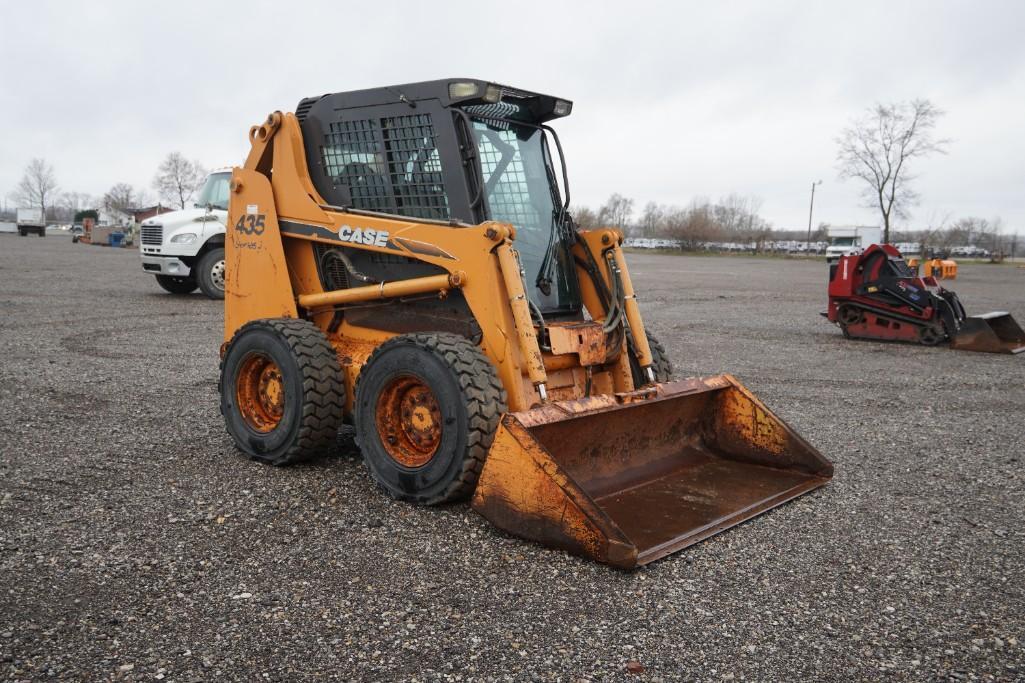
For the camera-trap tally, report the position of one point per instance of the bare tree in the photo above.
(178, 179)
(584, 217)
(694, 225)
(934, 232)
(877, 147)
(616, 212)
(143, 198)
(652, 219)
(38, 185)
(121, 197)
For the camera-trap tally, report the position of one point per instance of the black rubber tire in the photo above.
(660, 362)
(314, 392)
(209, 273)
(932, 335)
(472, 401)
(176, 285)
(850, 315)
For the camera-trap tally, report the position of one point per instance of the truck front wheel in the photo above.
(177, 285)
(210, 273)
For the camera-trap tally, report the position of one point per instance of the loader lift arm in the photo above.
(401, 258)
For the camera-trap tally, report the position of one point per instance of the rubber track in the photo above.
(895, 317)
(485, 401)
(323, 391)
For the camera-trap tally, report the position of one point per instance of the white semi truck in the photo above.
(845, 240)
(185, 249)
(31, 220)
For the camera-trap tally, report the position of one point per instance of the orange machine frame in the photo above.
(271, 273)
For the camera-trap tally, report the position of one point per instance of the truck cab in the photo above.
(184, 249)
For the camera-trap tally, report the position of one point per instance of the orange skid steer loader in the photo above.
(402, 259)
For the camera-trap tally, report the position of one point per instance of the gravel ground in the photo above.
(136, 543)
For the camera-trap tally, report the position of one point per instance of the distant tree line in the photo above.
(733, 218)
(971, 231)
(176, 181)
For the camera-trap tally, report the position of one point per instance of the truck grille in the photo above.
(152, 234)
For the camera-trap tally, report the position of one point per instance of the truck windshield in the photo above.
(519, 187)
(214, 192)
(843, 241)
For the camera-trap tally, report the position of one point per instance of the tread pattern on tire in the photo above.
(660, 362)
(203, 274)
(323, 390)
(485, 401)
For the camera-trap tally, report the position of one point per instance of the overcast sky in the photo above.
(672, 101)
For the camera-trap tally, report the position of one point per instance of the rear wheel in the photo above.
(660, 363)
(209, 273)
(427, 407)
(849, 315)
(176, 285)
(281, 391)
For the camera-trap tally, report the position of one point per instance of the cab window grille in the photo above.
(389, 164)
(505, 179)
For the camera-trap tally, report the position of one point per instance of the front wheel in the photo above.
(176, 285)
(427, 408)
(210, 273)
(931, 335)
(660, 362)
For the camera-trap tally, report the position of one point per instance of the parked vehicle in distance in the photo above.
(846, 240)
(76, 232)
(185, 249)
(31, 221)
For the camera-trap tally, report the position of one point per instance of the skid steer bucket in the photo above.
(628, 479)
(995, 332)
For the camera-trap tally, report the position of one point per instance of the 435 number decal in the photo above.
(251, 223)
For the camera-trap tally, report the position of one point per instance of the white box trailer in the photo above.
(31, 221)
(851, 239)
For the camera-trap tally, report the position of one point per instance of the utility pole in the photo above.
(811, 208)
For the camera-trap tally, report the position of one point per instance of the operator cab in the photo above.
(462, 151)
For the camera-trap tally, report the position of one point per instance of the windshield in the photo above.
(520, 188)
(843, 241)
(214, 192)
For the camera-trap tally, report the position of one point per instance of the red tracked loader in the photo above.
(876, 295)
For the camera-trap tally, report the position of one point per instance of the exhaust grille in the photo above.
(152, 234)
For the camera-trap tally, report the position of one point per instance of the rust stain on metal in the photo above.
(408, 418)
(260, 392)
(586, 339)
(996, 332)
(629, 479)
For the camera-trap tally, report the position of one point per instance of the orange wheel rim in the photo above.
(409, 421)
(260, 392)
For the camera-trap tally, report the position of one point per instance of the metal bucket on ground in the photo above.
(995, 332)
(631, 478)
